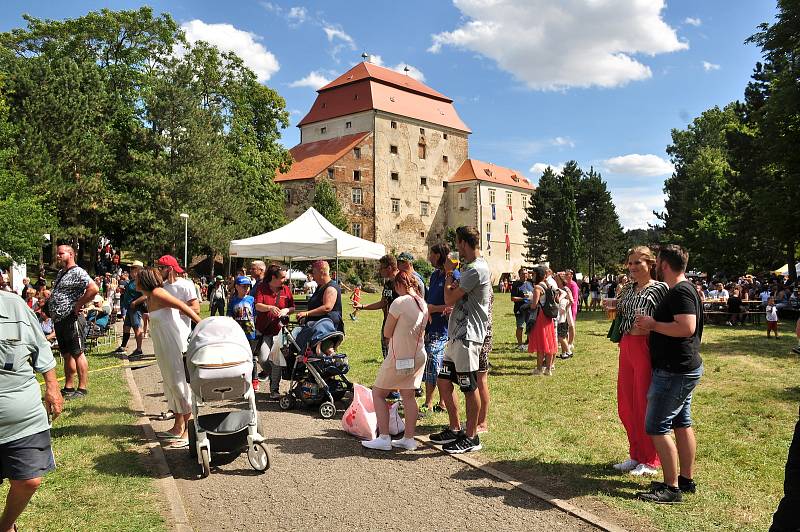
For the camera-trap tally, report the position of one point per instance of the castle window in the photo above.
(509, 197)
(357, 197)
(492, 196)
(424, 207)
(356, 230)
(444, 158)
(330, 173)
(395, 176)
(348, 125)
(395, 206)
(322, 130)
(422, 234)
(356, 175)
(508, 255)
(423, 181)
(421, 131)
(356, 152)
(393, 150)
(421, 150)
(524, 201)
(488, 227)
(445, 136)
(505, 226)
(394, 125)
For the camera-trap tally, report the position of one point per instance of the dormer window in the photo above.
(348, 125)
(323, 130)
(488, 172)
(394, 125)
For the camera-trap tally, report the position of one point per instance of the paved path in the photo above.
(321, 477)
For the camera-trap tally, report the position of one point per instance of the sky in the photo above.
(539, 82)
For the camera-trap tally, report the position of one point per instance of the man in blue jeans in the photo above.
(676, 329)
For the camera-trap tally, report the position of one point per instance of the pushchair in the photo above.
(315, 370)
(219, 367)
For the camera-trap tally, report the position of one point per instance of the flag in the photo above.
(494, 215)
(511, 210)
(508, 243)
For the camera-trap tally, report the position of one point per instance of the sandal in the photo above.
(180, 443)
(164, 416)
(439, 408)
(166, 435)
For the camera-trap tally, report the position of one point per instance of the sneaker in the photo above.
(409, 444)
(548, 372)
(564, 356)
(137, 353)
(660, 493)
(119, 351)
(628, 465)
(439, 408)
(644, 470)
(571, 349)
(446, 436)
(353, 317)
(463, 445)
(686, 485)
(77, 394)
(381, 443)
(729, 324)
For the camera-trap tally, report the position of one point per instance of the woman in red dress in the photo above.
(542, 338)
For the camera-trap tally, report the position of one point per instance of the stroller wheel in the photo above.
(287, 401)
(205, 456)
(327, 410)
(258, 456)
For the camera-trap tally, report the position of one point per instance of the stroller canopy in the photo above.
(218, 340)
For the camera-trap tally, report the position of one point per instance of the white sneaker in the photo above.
(381, 443)
(628, 465)
(642, 470)
(571, 348)
(548, 372)
(409, 444)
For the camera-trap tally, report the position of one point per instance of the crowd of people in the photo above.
(439, 333)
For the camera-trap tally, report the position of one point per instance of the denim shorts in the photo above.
(133, 318)
(521, 318)
(669, 401)
(434, 346)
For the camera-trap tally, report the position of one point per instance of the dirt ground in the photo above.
(322, 477)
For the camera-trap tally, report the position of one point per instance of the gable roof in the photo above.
(473, 169)
(311, 158)
(365, 87)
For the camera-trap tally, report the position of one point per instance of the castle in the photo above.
(398, 155)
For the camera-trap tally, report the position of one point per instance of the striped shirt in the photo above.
(629, 301)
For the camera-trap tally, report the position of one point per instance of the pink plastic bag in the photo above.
(359, 419)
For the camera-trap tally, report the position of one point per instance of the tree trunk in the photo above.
(791, 260)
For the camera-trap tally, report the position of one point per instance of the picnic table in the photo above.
(715, 311)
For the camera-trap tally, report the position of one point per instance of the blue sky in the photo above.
(538, 81)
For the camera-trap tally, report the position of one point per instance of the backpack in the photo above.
(550, 303)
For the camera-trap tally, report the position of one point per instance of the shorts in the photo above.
(669, 401)
(27, 458)
(521, 318)
(563, 329)
(133, 318)
(483, 358)
(71, 333)
(467, 381)
(434, 346)
(772, 326)
(464, 354)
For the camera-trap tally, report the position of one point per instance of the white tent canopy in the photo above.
(308, 237)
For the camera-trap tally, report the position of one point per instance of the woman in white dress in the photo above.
(169, 334)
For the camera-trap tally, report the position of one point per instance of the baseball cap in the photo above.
(243, 279)
(169, 260)
(219, 278)
(405, 257)
(136, 264)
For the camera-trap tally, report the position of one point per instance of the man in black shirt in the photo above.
(676, 329)
(520, 292)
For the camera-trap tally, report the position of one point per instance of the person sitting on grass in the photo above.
(772, 317)
(403, 367)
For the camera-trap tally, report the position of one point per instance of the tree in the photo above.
(326, 202)
(602, 239)
(565, 249)
(540, 216)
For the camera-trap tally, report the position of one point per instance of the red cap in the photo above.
(169, 260)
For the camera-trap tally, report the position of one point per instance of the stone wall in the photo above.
(337, 127)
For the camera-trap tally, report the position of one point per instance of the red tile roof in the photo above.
(473, 169)
(312, 158)
(367, 86)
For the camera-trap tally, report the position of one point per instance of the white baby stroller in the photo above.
(219, 367)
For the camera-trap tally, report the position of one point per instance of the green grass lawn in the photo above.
(100, 482)
(562, 433)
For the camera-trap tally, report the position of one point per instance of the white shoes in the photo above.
(409, 444)
(548, 372)
(628, 465)
(522, 347)
(381, 443)
(643, 470)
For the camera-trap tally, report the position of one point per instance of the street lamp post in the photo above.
(185, 238)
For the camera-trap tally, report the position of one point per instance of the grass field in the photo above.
(562, 433)
(100, 482)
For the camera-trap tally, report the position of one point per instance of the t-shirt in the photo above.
(471, 312)
(129, 294)
(765, 295)
(435, 296)
(243, 310)
(718, 294)
(678, 355)
(388, 295)
(266, 323)
(70, 285)
(518, 289)
(23, 351)
(182, 289)
(412, 315)
(217, 291)
(772, 313)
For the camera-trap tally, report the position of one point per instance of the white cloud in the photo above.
(375, 59)
(314, 79)
(635, 164)
(297, 14)
(693, 21)
(230, 39)
(336, 32)
(573, 43)
(563, 141)
(538, 169)
(708, 67)
(635, 206)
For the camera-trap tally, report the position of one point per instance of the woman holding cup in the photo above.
(637, 298)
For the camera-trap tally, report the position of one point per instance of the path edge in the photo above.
(561, 504)
(164, 479)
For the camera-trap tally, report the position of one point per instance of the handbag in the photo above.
(614, 333)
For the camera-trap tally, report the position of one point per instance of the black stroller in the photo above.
(315, 370)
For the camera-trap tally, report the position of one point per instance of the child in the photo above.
(355, 297)
(772, 317)
(241, 308)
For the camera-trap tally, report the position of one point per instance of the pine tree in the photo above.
(567, 244)
(326, 202)
(602, 239)
(540, 214)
